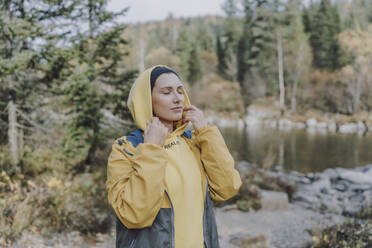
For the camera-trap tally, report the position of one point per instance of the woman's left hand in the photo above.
(196, 117)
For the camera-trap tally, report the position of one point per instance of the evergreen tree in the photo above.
(195, 67)
(232, 22)
(183, 49)
(28, 68)
(308, 16)
(360, 14)
(324, 26)
(256, 54)
(221, 56)
(94, 75)
(204, 39)
(227, 50)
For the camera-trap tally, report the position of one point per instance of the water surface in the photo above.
(298, 149)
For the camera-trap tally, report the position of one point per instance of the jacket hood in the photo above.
(140, 101)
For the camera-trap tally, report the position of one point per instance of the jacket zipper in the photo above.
(133, 243)
(171, 221)
(204, 218)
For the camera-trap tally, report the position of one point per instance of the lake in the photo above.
(298, 150)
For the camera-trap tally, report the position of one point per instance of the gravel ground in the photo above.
(70, 240)
(282, 229)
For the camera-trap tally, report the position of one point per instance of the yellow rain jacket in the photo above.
(161, 195)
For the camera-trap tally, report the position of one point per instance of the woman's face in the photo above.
(167, 97)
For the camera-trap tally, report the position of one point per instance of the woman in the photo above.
(160, 178)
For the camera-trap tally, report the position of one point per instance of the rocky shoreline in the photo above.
(273, 118)
(319, 200)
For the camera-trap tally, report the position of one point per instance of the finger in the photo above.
(194, 108)
(188, 118)
(190, 107)
(191, 113)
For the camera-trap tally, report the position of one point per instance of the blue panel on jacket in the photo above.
(135, 137)
(187, 134)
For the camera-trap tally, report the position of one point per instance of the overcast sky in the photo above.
(148, 10)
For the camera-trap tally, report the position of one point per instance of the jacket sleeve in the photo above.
(135, 183)
(224, 180)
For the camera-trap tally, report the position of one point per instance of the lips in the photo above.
(176, 108)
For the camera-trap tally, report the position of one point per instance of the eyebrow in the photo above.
(169, 87)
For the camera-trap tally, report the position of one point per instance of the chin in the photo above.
(173, 117)
(177, 119)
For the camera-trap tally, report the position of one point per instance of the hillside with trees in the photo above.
(280, 52)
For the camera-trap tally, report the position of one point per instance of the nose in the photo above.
(177, 97)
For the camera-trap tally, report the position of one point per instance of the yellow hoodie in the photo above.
(143, 178)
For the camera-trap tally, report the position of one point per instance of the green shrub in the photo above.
(47, 198)
(354, 233)
(346, 235)
(365, 213)
(56, 205)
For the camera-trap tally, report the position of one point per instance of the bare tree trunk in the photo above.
(357, 90)
(293, 97)
(280, 71)
(20, 142)
(232, 64)
(12, 132)
(281, 152)
(293, 150)
(298, 72)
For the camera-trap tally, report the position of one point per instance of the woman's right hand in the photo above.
(155, 132)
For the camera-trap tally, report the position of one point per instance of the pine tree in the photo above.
(183, 49)
(28, 68)
(232, 22)
(227, 49)
(221, 56)
(94, 75)
(195, 66)
(204, 39)
(324, 26)
(360, 14)
(256, 53)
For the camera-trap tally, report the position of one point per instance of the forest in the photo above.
(66, 68)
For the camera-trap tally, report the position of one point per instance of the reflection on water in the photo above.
(297, 149)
